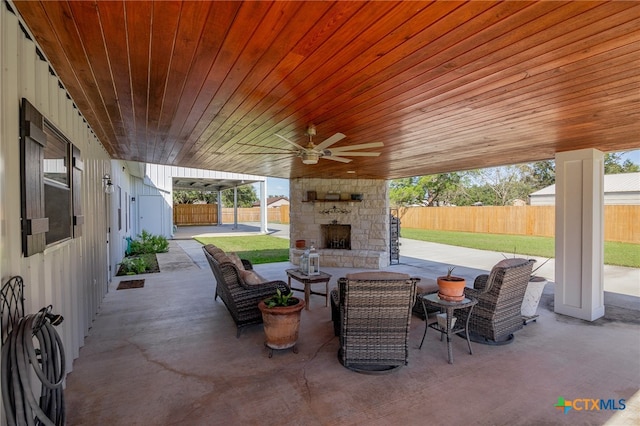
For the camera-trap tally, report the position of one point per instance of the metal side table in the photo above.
(448, 307)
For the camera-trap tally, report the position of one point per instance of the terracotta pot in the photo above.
(451, 289)
(300, 244)
(281, 324)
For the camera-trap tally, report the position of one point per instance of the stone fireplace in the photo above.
(351, 233)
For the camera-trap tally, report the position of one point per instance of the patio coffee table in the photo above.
(448, 307)
(307, 280)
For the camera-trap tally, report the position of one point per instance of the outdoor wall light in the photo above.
(108, 185)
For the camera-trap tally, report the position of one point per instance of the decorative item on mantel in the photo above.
(335, 210)
(332, 196)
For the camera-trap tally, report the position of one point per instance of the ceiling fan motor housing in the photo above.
(310, 157)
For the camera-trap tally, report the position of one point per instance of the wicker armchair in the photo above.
(372, 313)
(500, 293)
(240, 298)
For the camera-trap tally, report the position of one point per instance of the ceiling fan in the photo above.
(311, 153)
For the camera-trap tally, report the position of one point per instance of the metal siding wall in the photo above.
(72, 275)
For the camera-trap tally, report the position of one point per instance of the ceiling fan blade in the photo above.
(330, 141)
(288, 141)
(286, 150)
(268, 153)
(355, 154)
(340, 159)
(358, 146)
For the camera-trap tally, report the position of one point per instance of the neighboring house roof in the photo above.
(622, 188)
(621, 182)
(273, 200)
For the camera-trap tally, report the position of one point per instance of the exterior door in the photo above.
(150, 214)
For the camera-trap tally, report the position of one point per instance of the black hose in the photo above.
(34, 342)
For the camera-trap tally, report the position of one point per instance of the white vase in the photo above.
(442, 321)
(532, 296)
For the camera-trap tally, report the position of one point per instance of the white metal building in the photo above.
(623, 188)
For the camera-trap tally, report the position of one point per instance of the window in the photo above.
(57, 186)
(50, 176)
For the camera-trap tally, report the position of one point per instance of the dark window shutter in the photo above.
(76, 186)
(32, 143)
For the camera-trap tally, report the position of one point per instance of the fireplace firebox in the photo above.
(335, 236)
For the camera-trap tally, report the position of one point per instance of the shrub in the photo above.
(148, 243)
(133, 265)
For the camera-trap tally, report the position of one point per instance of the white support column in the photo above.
(579, 263)
(263, 207)
(219, 207)
(235, 207)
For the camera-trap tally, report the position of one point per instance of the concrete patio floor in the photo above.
(167, 354)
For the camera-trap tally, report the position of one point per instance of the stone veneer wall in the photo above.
(369, 220)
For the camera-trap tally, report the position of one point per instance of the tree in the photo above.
(246, 196)
(492, 186)
(431, 190)
(190, 197)
(543, 174)
(613, 164)
(500, 186)
(441, 187)
(406, 192)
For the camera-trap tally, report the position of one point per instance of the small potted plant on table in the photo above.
(281, 318)
(451, 288)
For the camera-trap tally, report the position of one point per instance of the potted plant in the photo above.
(281, 318)
(451, 288)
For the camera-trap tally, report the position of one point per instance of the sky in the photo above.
(634, 156)
(276, 186)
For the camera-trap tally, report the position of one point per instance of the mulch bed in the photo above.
(152, 262)
(130, 284)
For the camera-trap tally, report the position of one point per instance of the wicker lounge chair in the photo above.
(500, 293)
(372, 313)
(240, 298)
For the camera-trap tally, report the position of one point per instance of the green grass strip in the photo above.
(267, 249)
(257, 248)
(620, 254)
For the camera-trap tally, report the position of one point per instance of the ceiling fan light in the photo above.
(310, 157)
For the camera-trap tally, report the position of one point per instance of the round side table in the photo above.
(448, 307)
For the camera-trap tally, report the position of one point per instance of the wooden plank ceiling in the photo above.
(445, 85)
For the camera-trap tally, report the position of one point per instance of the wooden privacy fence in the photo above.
(195, 214)
(252, 214)
(207, 214)
(621, 222)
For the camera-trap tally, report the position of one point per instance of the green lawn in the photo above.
(258, 248)
(621, 254)
(267, 249)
